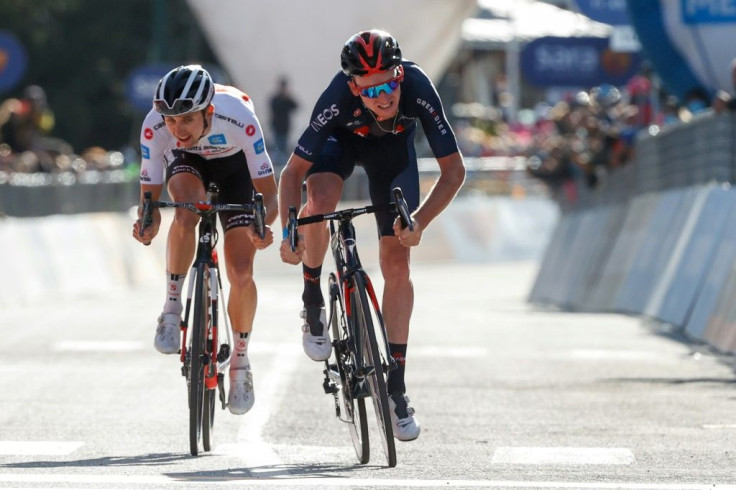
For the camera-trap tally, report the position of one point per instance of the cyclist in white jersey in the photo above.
(200, 132)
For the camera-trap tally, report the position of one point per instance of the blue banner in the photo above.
(708, 11)
(576, 62)
(13, 61)
(612, 12)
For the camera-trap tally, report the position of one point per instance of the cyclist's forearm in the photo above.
(444, 190)
(290, 192)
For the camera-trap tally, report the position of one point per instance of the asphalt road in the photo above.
(509, 396)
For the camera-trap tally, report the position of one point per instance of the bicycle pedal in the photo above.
(329, 387)
(224, 353)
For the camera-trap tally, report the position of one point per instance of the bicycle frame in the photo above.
(203, 358)
(347, 262)
(362, 360)
(206, 254)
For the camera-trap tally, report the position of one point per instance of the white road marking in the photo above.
(98, 346)
(562, 455)
(719, 426)
(446, 351)
(208, 481)
(38, 448)
(613, 355)
(269, 391)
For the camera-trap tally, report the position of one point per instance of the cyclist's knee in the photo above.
(323, 194)
(394, 264)
(185, 219)
(240, 275)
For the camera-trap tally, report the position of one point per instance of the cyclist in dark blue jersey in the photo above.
(368, 116)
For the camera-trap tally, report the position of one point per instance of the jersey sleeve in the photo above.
(153, 146)
(428, 107)
(325, 117)
(250, 139)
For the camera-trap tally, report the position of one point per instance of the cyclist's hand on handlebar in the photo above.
(151, 230)
(406, 237)
(260, 243)
(292, 257)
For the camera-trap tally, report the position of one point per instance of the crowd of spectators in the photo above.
(28, 147)
(579, 140)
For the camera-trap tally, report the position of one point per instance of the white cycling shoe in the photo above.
(316, 336)
(168, 337)
(241, 397)
(405, 424)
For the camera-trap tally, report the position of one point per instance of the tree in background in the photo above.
(81, 52)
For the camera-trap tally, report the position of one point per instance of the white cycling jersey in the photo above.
(234, 127)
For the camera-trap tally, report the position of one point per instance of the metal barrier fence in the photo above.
(655, 239)
(44, 194)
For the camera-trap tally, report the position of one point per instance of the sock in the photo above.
(174, 286)
(239, 358)
(396, 384)
(312, 295)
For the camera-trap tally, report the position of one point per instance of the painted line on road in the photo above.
(269, 392)
(38, 448)
(614, 355)
(208, 481)
(446, 351)
(719, 426)
(562, 455)
(98, 346)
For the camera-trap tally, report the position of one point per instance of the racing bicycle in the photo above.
(203, 358)
(360, 360)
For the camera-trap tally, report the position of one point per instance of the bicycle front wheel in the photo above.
(367, 319)
(353, 408)
(197, 358)
(208, 418)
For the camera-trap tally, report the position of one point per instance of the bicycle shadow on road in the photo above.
(153, 459)
(275, 472)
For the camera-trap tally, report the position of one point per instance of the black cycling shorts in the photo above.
(389, 161)
(231, 175)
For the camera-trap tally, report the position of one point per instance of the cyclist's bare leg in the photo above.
(241, 308)
(398, 291)
(323, 193)
(239, 255)
(183, 187)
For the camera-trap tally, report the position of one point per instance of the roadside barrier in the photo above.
(91, 254)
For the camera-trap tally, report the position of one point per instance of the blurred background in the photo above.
(565, 110)
(555, 90)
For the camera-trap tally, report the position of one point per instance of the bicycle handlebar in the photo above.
(256, 208)
(398, 205)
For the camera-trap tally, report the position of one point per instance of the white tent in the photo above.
(258, 41)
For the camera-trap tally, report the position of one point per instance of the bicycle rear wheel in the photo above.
(196, 358)
(353, 408)
(367, 319)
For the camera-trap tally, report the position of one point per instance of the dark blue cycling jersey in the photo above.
(338, 111)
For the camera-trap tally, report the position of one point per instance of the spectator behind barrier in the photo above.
(723, 101)
(25, 127)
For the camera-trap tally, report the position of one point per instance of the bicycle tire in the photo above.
(210, 395)
(208, 419)
(354, 408)
(365, 316)
(196, 366)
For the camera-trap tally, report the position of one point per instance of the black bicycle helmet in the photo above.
(184, 89)
(370, 52)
